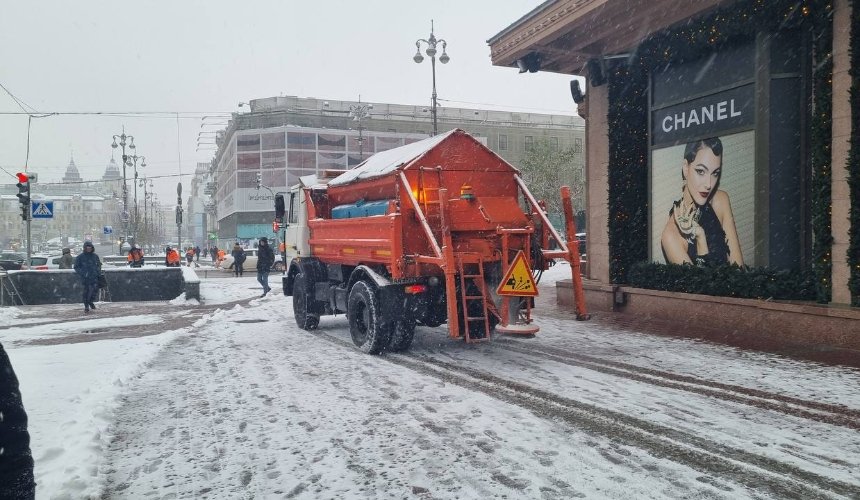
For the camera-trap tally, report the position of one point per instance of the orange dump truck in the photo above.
(440, 230)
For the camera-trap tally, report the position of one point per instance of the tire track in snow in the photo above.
(812, 410)
(754, 471)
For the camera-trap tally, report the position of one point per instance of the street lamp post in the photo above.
(358, 112)
(123, 140)
(146, 195)
(133, 159)
(431, 53)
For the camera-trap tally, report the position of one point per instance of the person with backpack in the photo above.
(239, 256)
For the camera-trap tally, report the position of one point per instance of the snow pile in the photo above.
(7, 314)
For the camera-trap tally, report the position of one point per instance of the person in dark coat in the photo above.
(88, 266)
(265, 260)
(16, 460)
(238, 254)
(67, 261)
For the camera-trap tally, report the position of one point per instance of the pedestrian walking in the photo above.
(88, 266)
(16, 459)
(189, 256)
(265, 260)
(67, 261)
(135, 256)
(238, 254)
(197, 254)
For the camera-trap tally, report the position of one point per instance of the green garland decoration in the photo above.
(854, 159)
(628, 120)
(820, 141)
(725, 281)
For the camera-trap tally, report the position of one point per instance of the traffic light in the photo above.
(275, 226)
(178, 215)
(280, 208)
(259, 180)
(24, 194)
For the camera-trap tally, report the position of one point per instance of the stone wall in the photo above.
(62, 286)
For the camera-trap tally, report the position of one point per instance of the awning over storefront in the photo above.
(565, 34)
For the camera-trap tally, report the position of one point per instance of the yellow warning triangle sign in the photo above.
(518, 281)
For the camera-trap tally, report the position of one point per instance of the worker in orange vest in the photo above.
(171, 258)
(221, 255)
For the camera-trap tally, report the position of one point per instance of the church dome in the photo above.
(112, 172)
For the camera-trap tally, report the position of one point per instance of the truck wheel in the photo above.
(364, 326)
(306, 320)
(402, 335)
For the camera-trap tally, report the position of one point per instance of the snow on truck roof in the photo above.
(388, 161)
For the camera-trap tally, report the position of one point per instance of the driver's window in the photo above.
(293, 212)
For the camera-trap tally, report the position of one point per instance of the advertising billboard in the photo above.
(703, 201)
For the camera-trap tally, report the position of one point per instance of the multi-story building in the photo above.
(82, 209)
(283, 138)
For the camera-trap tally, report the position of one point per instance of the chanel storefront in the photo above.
(718, 135)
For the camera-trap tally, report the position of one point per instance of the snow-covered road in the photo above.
(231, 400)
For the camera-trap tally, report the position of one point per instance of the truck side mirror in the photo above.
(280, 207)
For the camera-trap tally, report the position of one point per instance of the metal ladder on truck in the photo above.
(474, 276)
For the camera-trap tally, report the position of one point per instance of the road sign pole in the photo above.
(29, 242)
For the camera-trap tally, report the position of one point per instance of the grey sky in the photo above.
(205, 57)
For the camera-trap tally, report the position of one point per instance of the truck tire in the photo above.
(301, 300)
(367, 332)
(402, 335)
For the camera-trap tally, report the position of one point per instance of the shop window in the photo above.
(273, 160)
(301, 140)
(297, 160)
(248, 142)
(332, 142)
(334, 161)
(248, 161)
(273, 141)
(247, 180)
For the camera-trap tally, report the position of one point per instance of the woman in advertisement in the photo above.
(701, 228)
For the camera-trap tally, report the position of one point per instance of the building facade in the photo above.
(283, 138)
(82, 210)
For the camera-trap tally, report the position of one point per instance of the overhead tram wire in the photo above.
(67, 183)
(130, 114)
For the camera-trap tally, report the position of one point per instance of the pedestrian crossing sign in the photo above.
(518, 281)
(42, 209)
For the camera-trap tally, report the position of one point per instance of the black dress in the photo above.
(718, 247)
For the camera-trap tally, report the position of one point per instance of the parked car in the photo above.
(13, 261)
(45, 262)
(251, 261)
